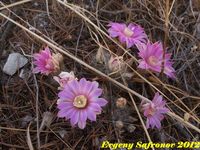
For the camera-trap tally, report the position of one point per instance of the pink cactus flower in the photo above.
(45, 63)
(152, 58)
(63, 78)
(130, 35)
(79, 101)
(168, 69)
(154, 111)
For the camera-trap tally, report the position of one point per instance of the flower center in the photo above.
(49, 64)
(128, 32)
(80, 101)
(153, 60)
(151, 110)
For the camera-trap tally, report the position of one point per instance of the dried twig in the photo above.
(15, 4)
(29, 142)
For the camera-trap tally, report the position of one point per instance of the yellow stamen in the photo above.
(80, 101)
(128, 32)
(153, 60)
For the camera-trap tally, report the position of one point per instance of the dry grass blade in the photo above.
(29, 142)
(69, 147)
(15, 4)
(37, 108)
(21, 130)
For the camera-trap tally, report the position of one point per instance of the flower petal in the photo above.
(66, 94)
(95, 107)
(95, 93)
(83, 115)
(74, 117)
(91, 115)
(65, 105)
(65, 113)
(81, 124)
(101, 101)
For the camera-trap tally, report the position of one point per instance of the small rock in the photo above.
(36, 4)
(14, 62)
(127, 75)
(119, 124)
(25, 120)
(24, 73)
(194, 48)
(62, 133)
(131, 128)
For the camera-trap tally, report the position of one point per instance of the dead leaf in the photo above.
(100, 58)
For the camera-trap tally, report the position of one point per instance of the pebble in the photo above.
(131, 128)
(14, 62)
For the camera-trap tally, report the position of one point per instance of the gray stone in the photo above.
(14, 62)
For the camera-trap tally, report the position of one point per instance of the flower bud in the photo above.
(116, 63)
(121, 102)
(64, 77)
(57, 61)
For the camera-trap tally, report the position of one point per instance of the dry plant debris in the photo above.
(79, 31)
